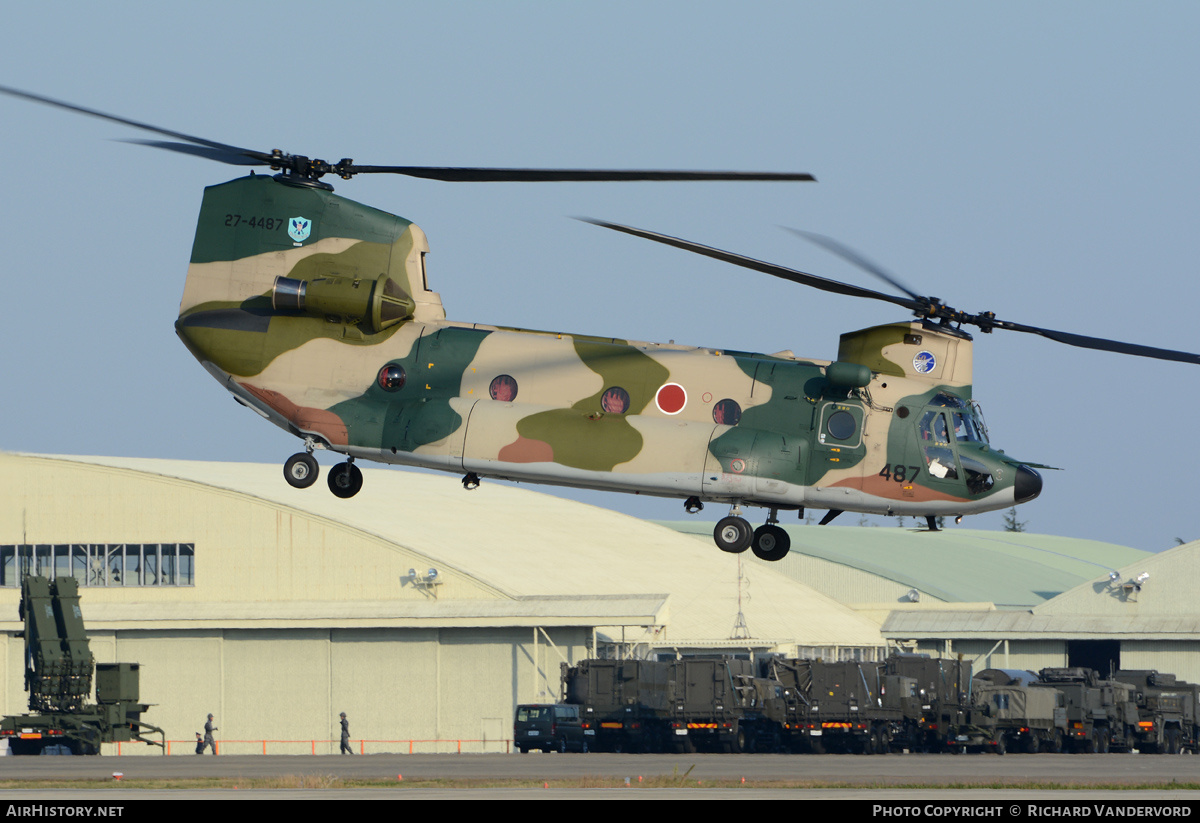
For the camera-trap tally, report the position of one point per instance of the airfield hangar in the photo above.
(427, 612)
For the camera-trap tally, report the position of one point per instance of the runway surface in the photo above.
(601, 770)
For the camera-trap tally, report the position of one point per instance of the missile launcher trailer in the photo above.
(58, 676)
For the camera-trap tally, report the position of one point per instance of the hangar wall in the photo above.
(287, 686)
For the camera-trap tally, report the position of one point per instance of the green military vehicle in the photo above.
(625, 702)
(719, 704)
(845, 706)
(1101, 714)
(58, 676)
(941, 694)
(1167, 711)
(1010, 710)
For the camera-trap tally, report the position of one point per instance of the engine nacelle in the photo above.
(375, 304)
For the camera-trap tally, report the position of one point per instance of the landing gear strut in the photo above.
(301, 470)
(345, 479)
(768, 542)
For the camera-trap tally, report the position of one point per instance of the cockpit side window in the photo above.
(935, 444)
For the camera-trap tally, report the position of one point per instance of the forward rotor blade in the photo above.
(493, 175)
(851, 256)
(782, 272)
(200, 141)
(232, 158)
(1101, 343)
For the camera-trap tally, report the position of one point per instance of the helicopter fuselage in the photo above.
(314, 310)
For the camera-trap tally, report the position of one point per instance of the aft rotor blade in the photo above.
(850, 255)
(1101, 343)
(782, 272)
(200, 141)
(458, 174)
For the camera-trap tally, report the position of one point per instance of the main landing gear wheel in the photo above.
(733, 534)
(345, 480)
(770, 542)
(301, 470)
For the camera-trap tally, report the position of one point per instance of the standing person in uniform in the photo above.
(346, 736)
(209, 728)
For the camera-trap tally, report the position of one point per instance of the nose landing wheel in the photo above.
(301, 470)
(345, 480)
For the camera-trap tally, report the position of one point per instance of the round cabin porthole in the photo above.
(615, 400)
(391, 378)
(727, 412)
(503, 387)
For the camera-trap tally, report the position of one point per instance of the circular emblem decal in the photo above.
(924, 362)
(737, 465)
(671, 398)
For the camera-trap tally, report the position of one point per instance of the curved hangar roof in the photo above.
(270, 555)
(872, 565)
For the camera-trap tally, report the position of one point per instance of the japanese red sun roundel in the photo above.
(671, 398)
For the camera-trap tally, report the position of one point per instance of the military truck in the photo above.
(942, 693)
(58, 676)
(1167, 711)
(708, 703)
(719, 704)
(1009, 711)
(626, 702)
(845, 706)
(1101, 714)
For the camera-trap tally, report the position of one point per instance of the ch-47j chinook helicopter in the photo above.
(315, 311)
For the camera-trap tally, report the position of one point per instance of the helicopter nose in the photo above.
(1028, 484)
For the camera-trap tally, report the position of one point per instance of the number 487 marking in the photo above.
(900, 473)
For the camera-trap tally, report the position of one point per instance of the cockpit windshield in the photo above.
(968, 426)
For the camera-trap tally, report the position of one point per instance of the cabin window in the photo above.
(503, 387)
(392, 377)
(841, 425)
(615, 400)
(727, 412)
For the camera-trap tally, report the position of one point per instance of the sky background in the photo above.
(1039, 160)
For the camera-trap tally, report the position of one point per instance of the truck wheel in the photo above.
(1001, 746)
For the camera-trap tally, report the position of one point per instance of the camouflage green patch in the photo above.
(784, 424)
(420, 412)
(866, 348)
(250, 215)
(247, 350)
(586, 437)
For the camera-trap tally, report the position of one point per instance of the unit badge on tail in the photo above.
(299, 228)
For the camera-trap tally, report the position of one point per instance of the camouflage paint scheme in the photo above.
(859, 434)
